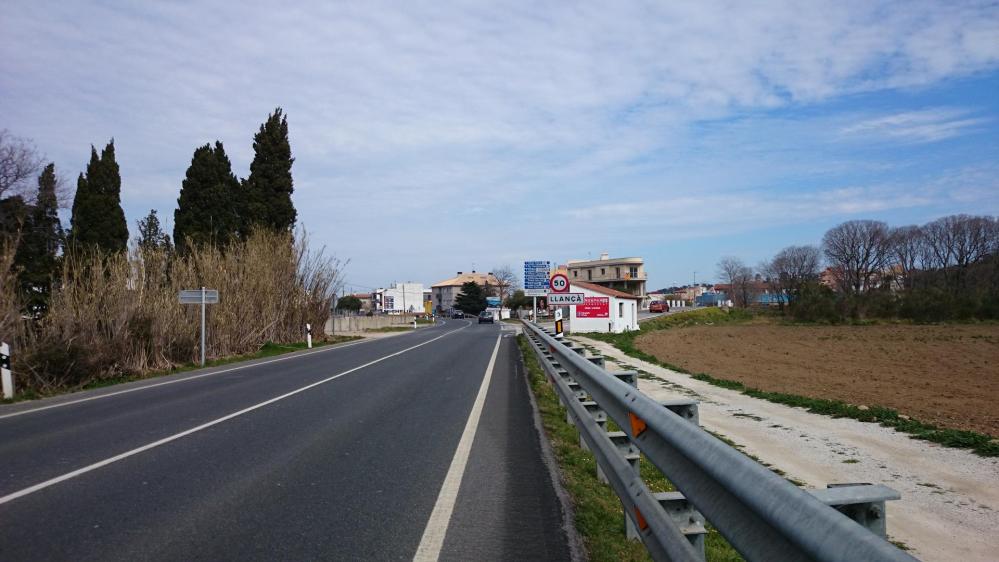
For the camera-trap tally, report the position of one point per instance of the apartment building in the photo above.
(620, 274)
(445, 291)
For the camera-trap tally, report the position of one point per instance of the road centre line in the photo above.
(176, 436)
(440, 518)
(183, 379)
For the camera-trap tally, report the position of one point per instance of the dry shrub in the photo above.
(118, 315)
(11, 323)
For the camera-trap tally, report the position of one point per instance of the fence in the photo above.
(762, 515)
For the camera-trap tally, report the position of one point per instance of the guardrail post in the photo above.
(675, 504)
(687, 518)
(862, 502)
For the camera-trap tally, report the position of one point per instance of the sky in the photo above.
(436, 137)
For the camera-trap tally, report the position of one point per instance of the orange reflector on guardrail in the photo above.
(642, 523)
(637, 424)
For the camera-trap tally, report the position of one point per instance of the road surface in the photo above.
(420, 445)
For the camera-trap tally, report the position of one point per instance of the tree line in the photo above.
(214, 208)
(947, 269)
(83, 304)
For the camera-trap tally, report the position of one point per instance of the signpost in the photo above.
(203, 297)
(536, 274)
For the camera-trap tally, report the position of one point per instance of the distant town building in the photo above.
(400, 297)
(445, 291)
(626, 275)
(367, 302)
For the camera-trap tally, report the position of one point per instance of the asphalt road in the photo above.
(363, 451)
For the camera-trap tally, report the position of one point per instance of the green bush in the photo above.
(815, 303)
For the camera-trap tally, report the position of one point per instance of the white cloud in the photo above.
(926, 125)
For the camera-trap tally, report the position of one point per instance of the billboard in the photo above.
(493, 302)
(594, 307)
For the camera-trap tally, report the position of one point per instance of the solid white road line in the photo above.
(176, 436)
(184, 379)
(433, 535)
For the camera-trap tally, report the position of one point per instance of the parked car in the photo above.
(457, 314)
(658, 306)
(486, 316)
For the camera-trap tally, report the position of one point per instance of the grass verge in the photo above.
(269, 349)
(599, 517)
(979, 443)
(386, 329)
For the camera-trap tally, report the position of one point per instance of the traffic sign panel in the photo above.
(565, 299)
(560, 283)
(193, 296)
(536, 274)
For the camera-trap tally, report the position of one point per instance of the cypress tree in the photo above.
(269, 187)
(151, 235)
(207, 209)
(41, 240)
(98, 219)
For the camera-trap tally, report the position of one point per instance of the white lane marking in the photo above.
(176, 436)
(184, 379)
(433, 535)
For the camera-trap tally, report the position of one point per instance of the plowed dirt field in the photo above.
(947, 375)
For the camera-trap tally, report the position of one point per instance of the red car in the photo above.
(658, 306)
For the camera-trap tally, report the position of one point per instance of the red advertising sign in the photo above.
(594, 307)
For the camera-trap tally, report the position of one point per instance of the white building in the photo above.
(604, 310)
(401, 297)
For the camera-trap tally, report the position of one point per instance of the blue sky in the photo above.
(431, 137)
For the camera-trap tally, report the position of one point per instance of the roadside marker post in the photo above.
(203, 297)
(5, 374)
(558, 323)
(308, 335)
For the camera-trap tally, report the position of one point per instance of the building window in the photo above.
(620, 310)
(589, 275)
(575, 273)
(601, 272)
(633, 270)
(617, 272)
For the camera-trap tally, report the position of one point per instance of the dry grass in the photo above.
(118, 315)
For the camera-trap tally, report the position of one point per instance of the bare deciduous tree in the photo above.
(908, 251)
(740, 277)
(19, 163)
(507, 281)
(955, 242)
(791, 268)
(858, 252)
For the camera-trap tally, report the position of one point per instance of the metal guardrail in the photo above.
(762, 515)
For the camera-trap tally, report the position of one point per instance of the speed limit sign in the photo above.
(559, 283)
